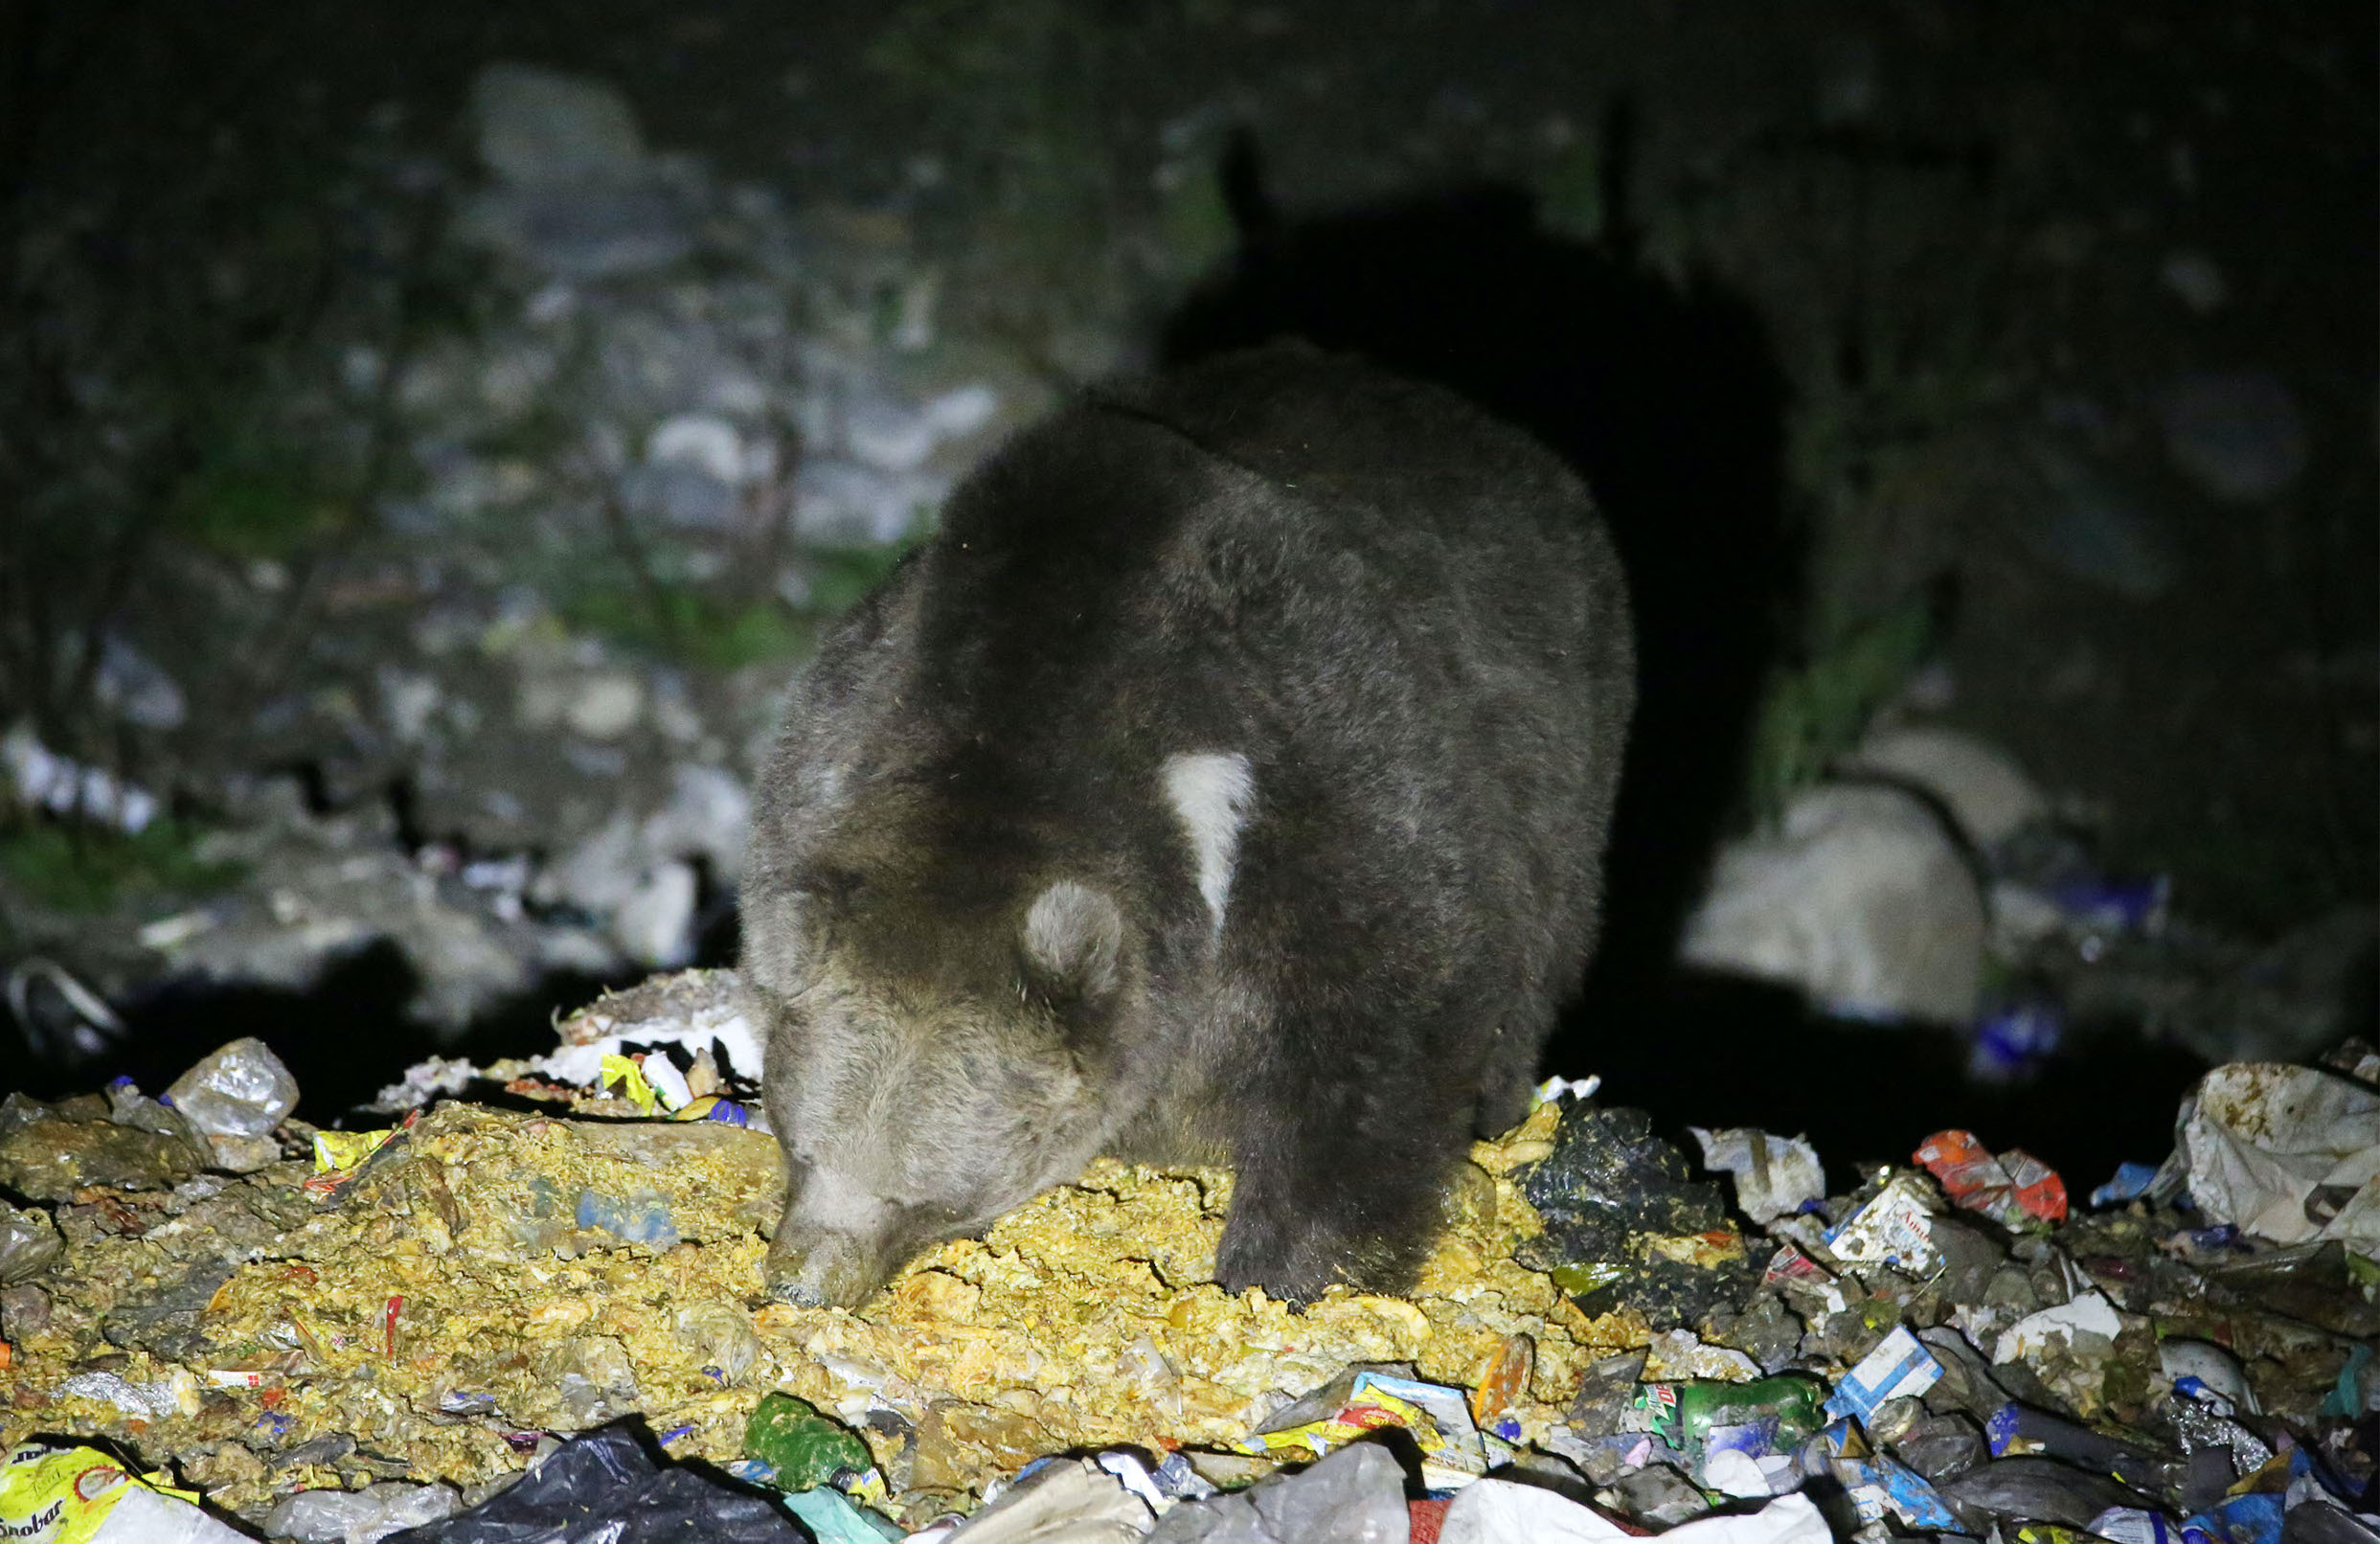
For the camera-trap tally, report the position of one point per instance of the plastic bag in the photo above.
(606, 1487)
(2288, 1153)
(79, 1495)
(242, 1090)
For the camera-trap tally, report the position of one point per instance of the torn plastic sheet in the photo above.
(2288, 1153)
(1774, 1175)
(2088, 1313)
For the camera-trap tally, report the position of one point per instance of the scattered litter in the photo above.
(1354, 1497)
(1899, 1368)
(1453, 1450)
(1625, 1221)
(2286, 1153)
(1896, 1227)
(801, 1448)
(359, 1347)
(606, 1487)
(1775, 1176)
(79, 1495)
(1072, 1501)
(2013, 1190)
(365, 1516)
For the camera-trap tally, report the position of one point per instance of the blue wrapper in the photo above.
(2250, 1519)
(2131, 1182)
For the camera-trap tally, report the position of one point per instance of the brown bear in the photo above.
(1225, 779)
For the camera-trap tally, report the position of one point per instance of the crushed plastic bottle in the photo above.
(239, 1090)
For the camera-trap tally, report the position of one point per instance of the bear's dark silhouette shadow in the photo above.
(1664, 395)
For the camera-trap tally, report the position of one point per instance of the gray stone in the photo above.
(1861, 899)
(543, 127)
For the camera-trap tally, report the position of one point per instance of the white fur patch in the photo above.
(1211, 791)
(1075, 934)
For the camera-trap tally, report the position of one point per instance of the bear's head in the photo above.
(933, 1060)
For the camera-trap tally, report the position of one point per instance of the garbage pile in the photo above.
(538, 1310)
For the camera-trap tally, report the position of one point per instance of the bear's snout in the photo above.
(818, 1268)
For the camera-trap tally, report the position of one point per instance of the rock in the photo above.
(655, 924)
(541, 127)
(2236, 433)
(1861, 899)
(1981, 786)
(49, 1159)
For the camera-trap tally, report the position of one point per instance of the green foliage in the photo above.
(688, 625)
(698, 628)
(248, 505)
(840, 575)
(90, 869)
(1815, 714)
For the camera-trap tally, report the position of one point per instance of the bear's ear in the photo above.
(1072, 936)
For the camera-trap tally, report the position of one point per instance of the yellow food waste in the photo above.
(490, 1274)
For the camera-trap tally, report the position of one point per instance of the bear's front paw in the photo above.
(1292, 1264)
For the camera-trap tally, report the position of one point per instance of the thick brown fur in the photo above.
(1226, 778)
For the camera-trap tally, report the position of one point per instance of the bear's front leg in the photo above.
(1320, 1207)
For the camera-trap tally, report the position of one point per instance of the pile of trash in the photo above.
(538, 1309)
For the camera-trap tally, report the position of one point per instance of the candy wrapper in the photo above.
(79, 1495)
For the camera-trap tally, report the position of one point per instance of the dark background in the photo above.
(1865, 321)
